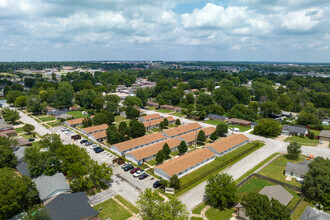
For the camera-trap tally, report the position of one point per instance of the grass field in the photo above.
(214, 213)
(276, 168)
(316, 133)
(177, 114)
(111, 209)
(77, 114)
(19, 130)
(28, 136)
(48, 118)
(303, 140)
(152, 162)
(300, 209)
(2, 98)
(150, 108)
(54, 123)
(215, 122)
(127, 204)
(199, 208)
(164, 111)
(175, 153)
(39, 116)
(196, 218)
(120, 118)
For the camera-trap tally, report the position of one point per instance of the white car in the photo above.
(138, 173)
(94, 146)
(321, 141)
(235, 129)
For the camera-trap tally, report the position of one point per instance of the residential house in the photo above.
(74, 108)
(241, 122)
(7, 130)
(99, 136)
(325, 135)
(290, 130)
(287, 114)
(126, 146)
(21, 166)
(314, 214)
(227, 144)
(50, 186)
(153, 104)
(150, 117)
(95, 129)
(49, 108)
(184, 164)
(277, 192)
(297, 170)
(56, 112)
(71, 206)
(74, 122)
(149, 152)
(151, 124)
(183, 129)
(191, 137)
(63, 116)
(217, 117)
(167, 107)
(326, 121)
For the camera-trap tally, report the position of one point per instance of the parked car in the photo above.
(135, 170)
(94, 146)
(129, 167)
(138, 173)
(143, 176)
(88, 143)
(31, 139)
(124, 165)
(83, 141)
(157, 184)
(99, 150)
(321, 141)
(235, 129)
(64, 129)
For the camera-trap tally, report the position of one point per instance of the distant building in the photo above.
(326, 121)
(325, 135)
(241, 122)
(150, 117)
(153, 104)
(95, 129)
(290, 130)
(218, 117)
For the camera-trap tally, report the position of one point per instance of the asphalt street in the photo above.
(41, 130)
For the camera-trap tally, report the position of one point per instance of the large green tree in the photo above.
(20, 102)
(64, 95)
(269, 108)
(221, 129)
(131, 101)
(267, 127)
(10, 115)
(293, 150)
(175, 182)
(28, 128)
(183, 147)
(12, 95)
(34, 104)
(136, 129)
(7, 157)
(112, 103)
(201, 137)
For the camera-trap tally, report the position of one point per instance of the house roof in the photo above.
(151, 117)
(185, 161)
(5, 126)
(126, 145)
(56, 112)
(19, 153)
(47, 185)
(182, 129)
(314, 214)
(22, 141)
(301, 169)
(101, 134)
(240, 121)
(23, 168)
(48, 108)
(217, 116)
(294, 129)
(153, 149)
(191, 136)
(70, 206)
(75, 121)
(325, 133)
(96, 128)
(157, 121)
(227, 142)
(277, 192)
(65, 116)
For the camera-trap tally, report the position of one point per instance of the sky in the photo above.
(169, 30)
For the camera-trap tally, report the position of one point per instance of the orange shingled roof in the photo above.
(101, 134)
(228, 142)
(186, 161)
(75, 121)
(96, 128)
(189, 137)
(182, 129)
(126, 145)
(151, 117)
(157, 121)
(153, 149)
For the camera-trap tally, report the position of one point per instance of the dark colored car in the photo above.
(99, 150)
(157, 184)
(143, 176)
(83, 141)
(135, 169)
(88, 143)
(128, 167)
(31, 139)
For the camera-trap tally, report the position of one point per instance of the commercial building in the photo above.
(149, 152)
(126, 146)
(227, 144)
(191, 137)
(183, 129)
(95, 129)
(151, 124)
(185, 164)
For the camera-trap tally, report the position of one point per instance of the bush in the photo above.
(311, 135)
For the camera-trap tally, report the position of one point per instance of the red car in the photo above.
(135, 169)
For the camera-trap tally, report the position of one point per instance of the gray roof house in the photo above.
(277, 192)
(56, 112)
(23, 168)
(314, 214)
(325, 135)
(294, 130)
(297, 170)
(50, 186)
(217, 117)
(71, 206)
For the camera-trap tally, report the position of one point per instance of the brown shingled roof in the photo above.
(228, 142)
(75, 121)
(157, 121)
(126, 145)
(151, 117)
(153, 149)
(189, 137)
(101, 134)
(96, 128)
(186, 161)
(182, 129)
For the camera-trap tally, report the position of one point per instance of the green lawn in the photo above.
(303, 140)
(163, 111)
(28, 136)
(120, 118)
(199, 208)
(300, 209)
(2, 98)
(175, 153)
(316, 133)
(152, 162)
(41, 115)
(36, 143)
(241, 128)
(196, 218)
(150, 108)
(54, 123)
(215, 122)
(48, 118)
(111, 209)
(177, 114)
(326, 127)
(19, 130)
(38, 120)
(276, 168)
(127, 204)
(46, 126)
(215, 214)
(155, 130)
(77, 114)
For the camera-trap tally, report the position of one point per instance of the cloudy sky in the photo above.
(228, 30)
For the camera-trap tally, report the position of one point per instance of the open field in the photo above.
(303, 140)
(215, 213)
(164, 111)
(48, 118)
(19, 130)
(215, 122)
(111, 209)
(177, 114)
(77, 114)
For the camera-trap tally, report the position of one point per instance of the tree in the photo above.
(112, 103)
(136, 129)
(98, 102)
(284, 102)
(254, 106)
(142, 94)
(102, 118)
(12, 95)
(214, 136)
(16, 193)
(177, 122)
(221, 129)
(221, 190)
(87, 122)
(86, 98)
(99, 174)
(183, 147)
(293, 150)
(160, 156)
(7, 157)
(165, 122)
(223, 97)
(267, 127)
(122, 128)
(166, 150)
(10, 115)
(113, 136)
(269, 108)
(64, 95)
(316, 185)
(175, 182)
(34, 104)
(201, 136)
(132, 113)
(311, 135)
(258, 206)
(161, 125)
(240, 111)
(28, 128)
(153, 207)
(204, 99)
(131, 101)
(20, 102)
